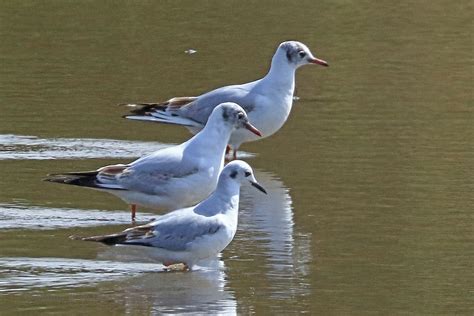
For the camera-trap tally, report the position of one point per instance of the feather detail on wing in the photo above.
(164, 117)
(103, 178)
(193, 111)
(135, 233)
(169, 232)
(109, 174)
(163, 112)
(147, 108)
(106, 239)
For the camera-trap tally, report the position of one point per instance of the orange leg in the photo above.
(227, 159)
(133, 208)
(227, 152)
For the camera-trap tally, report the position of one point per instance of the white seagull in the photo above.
(267, 101)
(173, 177)
(191, 234)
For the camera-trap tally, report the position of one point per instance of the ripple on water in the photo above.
(18, 147)
(21, 274)
(139, 286)
(14, 216)
(35, 148)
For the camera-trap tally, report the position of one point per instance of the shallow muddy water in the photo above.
(370, 181)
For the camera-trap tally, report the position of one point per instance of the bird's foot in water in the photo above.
(175, 267)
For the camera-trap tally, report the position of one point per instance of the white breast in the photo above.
(269, 116)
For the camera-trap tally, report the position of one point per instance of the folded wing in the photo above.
(193, 111)
(173, 233)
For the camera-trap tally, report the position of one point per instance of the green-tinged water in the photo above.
(370, 204)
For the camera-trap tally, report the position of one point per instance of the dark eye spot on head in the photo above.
(302, 53)
(233, 174)
(225, 115)
(240, 115)
(288, 55)
(247, 173)
(291, 51)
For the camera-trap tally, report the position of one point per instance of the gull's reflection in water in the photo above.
(201, 291)
(140, 287)
(266, 223)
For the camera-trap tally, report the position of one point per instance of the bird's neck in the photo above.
(281, 74)
(214, 136)
(225, 199)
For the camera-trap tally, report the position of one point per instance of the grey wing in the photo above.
(152, 173)
(175, 233)
(200, 109)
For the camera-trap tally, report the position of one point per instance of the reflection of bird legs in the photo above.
(133, 208)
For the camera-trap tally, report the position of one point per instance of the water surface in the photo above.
(370, 184)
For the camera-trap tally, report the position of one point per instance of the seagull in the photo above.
(267, 101)
(172, 177)
(191, 234)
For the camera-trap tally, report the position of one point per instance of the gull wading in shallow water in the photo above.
(173, 177)
(267, 101)
(191, 234)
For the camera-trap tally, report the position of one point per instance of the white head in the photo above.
(297, 54)
(232, 115)
(240, 172)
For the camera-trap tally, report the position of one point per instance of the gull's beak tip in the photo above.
(319, 62)
(258, 187)
(253, 129)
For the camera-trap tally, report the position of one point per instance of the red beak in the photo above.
(253, 129)
(319, 62)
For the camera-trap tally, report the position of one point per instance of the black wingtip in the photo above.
(55, 178)
(109, 240)
(106, 240)
(51, 176)
(83, 180)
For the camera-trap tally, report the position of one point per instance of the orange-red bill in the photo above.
(253, 129)
(319, 62)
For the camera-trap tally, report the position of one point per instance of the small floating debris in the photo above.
(190, 51)
(296, 98)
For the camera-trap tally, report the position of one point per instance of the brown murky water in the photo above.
(370, 182)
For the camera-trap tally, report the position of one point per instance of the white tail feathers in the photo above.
(164, 117)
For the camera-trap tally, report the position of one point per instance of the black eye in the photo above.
(240, 115)
(301, 53)
(247, 173)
